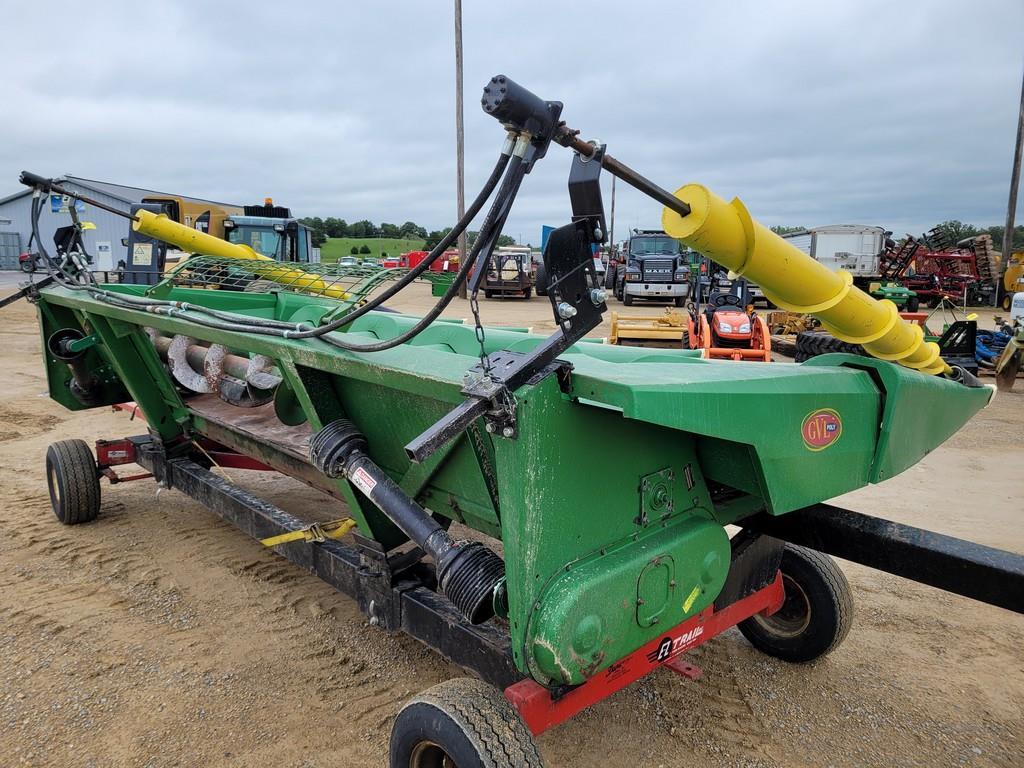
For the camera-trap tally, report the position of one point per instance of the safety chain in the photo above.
(474, 307)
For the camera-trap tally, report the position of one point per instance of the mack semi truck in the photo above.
(653, 266)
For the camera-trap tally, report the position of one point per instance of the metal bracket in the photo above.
(656, 492)
(577, 302)
(504, 372)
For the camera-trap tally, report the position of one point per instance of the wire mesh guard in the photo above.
(337, 281)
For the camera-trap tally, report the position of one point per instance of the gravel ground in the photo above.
(160, 636)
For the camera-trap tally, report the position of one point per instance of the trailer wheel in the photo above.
(464, 723)
(817, 613)
(73, 481)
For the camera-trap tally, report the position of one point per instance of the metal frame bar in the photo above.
(394, 597)
(541, 710)
(962, 567)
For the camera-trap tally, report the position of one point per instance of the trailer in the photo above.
(426, 429)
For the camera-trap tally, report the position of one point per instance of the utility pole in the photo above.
(1011, 207)
(460, 170)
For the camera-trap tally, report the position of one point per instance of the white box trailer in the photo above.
(853, 247)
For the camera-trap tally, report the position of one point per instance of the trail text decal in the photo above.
(673, 646)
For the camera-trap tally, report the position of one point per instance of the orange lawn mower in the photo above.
(727, 328)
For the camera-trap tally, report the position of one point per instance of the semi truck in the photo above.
(653, 266)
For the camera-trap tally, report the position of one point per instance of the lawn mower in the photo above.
(727, 328)
(426, 429)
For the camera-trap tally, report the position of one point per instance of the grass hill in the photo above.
(336, 247)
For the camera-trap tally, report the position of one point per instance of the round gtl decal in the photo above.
(821, 428)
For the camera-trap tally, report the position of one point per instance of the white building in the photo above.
(102, 243)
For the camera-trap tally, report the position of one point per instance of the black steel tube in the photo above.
(35, 180)
(962, 567)
(567, 137)
(409, 516)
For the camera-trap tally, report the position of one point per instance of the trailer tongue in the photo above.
(418, 424)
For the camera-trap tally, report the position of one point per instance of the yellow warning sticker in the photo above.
(691, 598)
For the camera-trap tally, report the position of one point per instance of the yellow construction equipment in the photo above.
(160, 227)
(650, 330)
(792, 280)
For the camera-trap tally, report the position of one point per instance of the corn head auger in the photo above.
(418, 424)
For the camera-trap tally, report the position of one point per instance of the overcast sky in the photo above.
(893, 113)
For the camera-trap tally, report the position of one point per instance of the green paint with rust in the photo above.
(603, 503)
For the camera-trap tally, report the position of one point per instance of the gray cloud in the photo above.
(896, 114)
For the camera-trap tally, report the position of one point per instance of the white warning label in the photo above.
(361, 479)
(142, 254)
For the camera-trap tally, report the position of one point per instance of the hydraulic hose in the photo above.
(232, 322)
(494, 219)
(441, 247)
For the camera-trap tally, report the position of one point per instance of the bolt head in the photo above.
(598, 233)
(566, 310)
(489, 427)
(508, 432)
(598, 296)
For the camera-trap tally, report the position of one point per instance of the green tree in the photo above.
(355, 250)
(997, 237)
(435, 237)
(411, 230)
(334, 227)
(362, 228)
(505, 240)
(954, 231)
(390, 230)
(364, 249)
(779, 229)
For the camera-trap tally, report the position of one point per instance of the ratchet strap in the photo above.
(315, 533)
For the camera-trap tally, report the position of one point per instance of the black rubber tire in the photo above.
(609, 278)
(466, 720)
(1007, 302)
(816, 616)
(627, 299)
(813, 343)
(679, 301)
(913, 303)
(28, 266)
(540, 281)
(528, 293)
(488, 294)
(74, 481)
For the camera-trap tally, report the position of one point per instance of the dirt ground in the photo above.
(160, 636)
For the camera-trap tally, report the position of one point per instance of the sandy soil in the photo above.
(160, 636)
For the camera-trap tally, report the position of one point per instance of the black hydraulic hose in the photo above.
(495, 218)
(233, 322)
(513, 178)
(440, 248)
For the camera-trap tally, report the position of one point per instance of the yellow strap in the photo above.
(317, 532)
